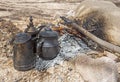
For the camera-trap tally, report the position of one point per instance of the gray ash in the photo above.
(70, 47)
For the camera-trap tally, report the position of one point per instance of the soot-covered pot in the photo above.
(24, 58)
(48, 45)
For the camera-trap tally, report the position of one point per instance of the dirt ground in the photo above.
(14, 16)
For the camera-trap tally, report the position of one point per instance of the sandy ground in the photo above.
(17, 12)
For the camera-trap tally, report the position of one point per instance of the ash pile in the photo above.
(70, 46)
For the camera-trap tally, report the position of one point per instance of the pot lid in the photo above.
(22, 38)
(48, 33)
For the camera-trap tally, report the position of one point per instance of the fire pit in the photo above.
(70, 47)
(44, 47)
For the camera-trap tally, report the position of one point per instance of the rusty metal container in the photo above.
(24, 58)
(48, 45)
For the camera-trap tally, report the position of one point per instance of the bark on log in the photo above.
(101, 42)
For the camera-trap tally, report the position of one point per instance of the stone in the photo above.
(101, 69)
(101, 16)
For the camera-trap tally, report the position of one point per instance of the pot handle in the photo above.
(39, 47)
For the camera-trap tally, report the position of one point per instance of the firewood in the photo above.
(101, 42)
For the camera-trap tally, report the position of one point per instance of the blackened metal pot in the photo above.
(48, 45)
(24, 58)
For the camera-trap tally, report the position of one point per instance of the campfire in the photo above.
(82, 45)
(46, 52)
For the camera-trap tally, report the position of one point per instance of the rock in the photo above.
(96, 70)
(101, 17)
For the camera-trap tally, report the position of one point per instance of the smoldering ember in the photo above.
(59, 41)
